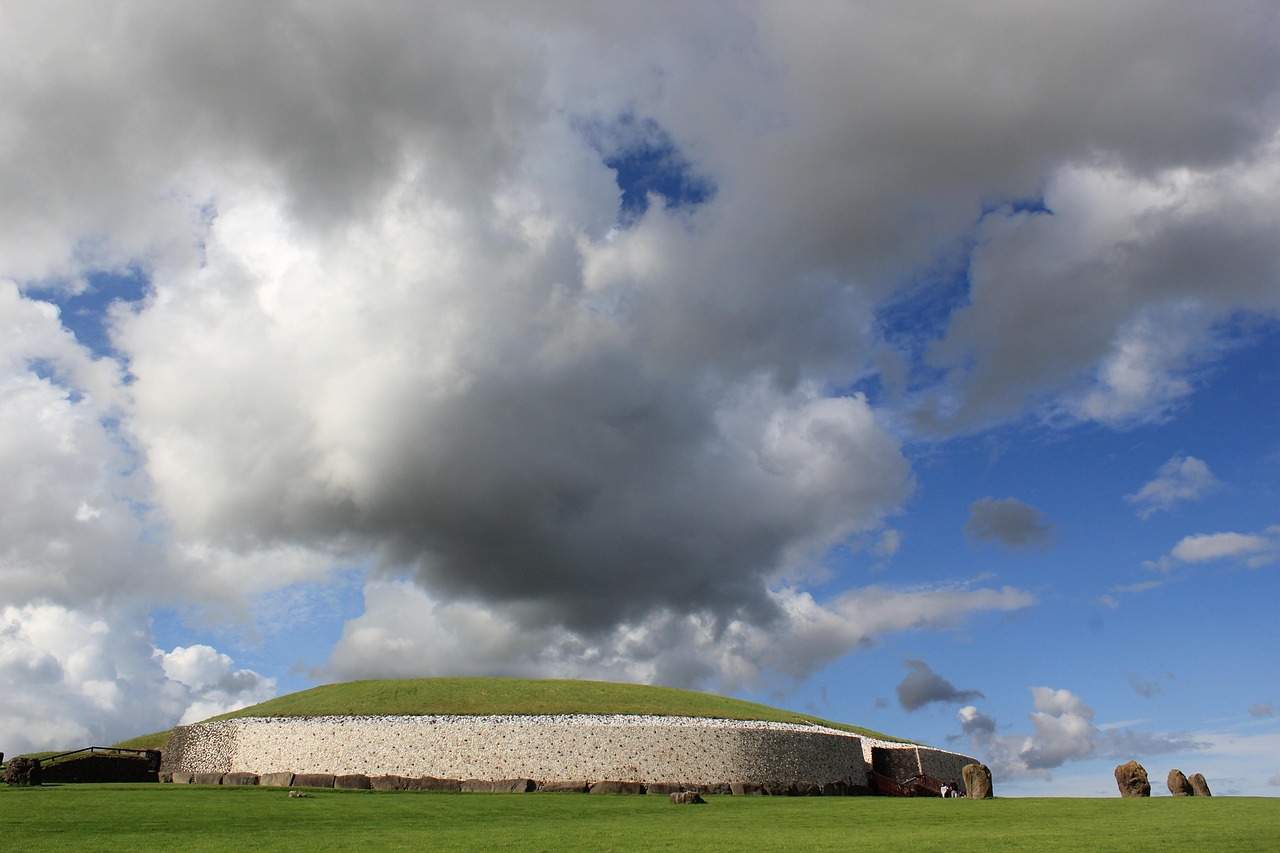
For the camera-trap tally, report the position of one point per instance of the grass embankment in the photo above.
(476, 696)
(198, 818)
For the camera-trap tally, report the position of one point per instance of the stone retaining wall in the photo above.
(549, 749)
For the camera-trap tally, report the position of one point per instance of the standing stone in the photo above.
(1199, 787)
(1178, 784)
(977, 781)
(1131, 779)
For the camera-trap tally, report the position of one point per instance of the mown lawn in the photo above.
(198, 818)
(523, 696)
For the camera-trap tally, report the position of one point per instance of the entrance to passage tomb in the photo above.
(882, 761)
(893, 771)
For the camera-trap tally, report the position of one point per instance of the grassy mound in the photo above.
(477, 696)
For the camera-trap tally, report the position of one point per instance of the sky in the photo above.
(915, 365)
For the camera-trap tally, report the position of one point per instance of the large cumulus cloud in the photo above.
(395, 314)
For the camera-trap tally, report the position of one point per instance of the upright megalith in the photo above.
(1178, 784)
(1131, 778)
(977, 781)
(1199, 787)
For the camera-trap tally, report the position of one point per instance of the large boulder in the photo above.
(1131, 779)
(1199, 787)
(1178, 784)
(22, 772)
(977, 781)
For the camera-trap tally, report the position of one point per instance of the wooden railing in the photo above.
(922, 785)
(150, 754)
(887, 787)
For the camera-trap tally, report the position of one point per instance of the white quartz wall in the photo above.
(545, 748)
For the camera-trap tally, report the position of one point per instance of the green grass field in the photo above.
(473, 696)
(199, 818)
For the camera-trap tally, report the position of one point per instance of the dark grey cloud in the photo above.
(1007, 521)
(923, 686)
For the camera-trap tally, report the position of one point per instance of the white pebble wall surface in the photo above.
(552, 747)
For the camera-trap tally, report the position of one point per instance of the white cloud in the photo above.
(1100, 309)
(1063, 732)
(1182, 478)
(76, 678)
(1216, 546)
(404, 632)
(215, 685)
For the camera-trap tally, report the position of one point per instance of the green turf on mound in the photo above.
(476, 696)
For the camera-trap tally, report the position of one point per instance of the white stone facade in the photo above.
(645, 749)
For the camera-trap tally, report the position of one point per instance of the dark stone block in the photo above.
(351, 781)
(615, 786)
(388, 783)
(663, 789)
(577, 787)
(206, 778)
(746, 789)
(240, 778)
(498, 786)
(431, 783)
(313, 780)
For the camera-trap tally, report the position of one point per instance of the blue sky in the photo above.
(848, 359)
